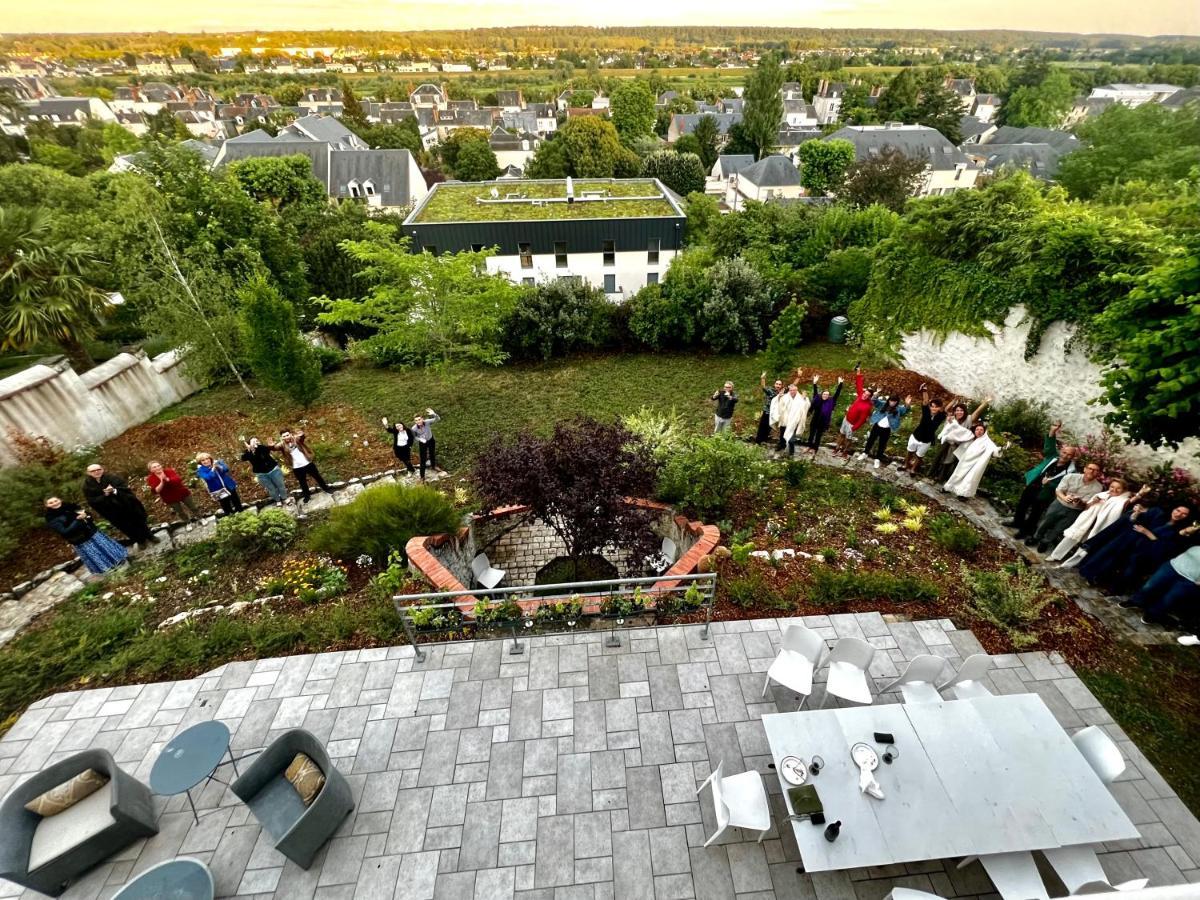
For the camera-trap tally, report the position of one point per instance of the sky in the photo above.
(1092, 16)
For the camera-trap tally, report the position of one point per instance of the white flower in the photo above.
(160, 579)
(204, 571)
(107, 596)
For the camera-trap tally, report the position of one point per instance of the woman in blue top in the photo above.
(884, 422)
(220, 484)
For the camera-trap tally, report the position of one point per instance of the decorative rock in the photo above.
(347, 494)
(318, 503)
(22, 588)
(42, 576)
(722, 552)
(15, 615)
(706, 564)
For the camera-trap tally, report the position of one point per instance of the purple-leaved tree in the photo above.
(576, 481)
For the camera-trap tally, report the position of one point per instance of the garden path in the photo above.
(565, 773)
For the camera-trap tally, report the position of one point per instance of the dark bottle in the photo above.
(832, 832)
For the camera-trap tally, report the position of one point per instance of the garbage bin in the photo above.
(837, 329)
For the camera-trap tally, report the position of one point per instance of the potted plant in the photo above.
(623, 606)
(563, 613)
(502, 614)
(431, 619)
(680, 604)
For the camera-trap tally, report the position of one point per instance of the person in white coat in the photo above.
(795, 419)
(778, 411)
(973, 458)
(1102, 510)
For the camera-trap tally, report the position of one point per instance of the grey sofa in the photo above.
(46, 853)
(298, 831)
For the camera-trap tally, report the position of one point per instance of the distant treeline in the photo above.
(523, 40)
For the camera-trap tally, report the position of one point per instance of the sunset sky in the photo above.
(1145, 17)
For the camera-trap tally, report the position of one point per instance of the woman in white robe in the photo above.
(973, 458)
(778, 415)
(795, 418)
(1102, 510)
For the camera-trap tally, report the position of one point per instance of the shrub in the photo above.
(709, 471)
(841, 587)
(734, 312)
(1011, 599)
(663, 433)
(309, 580)
(278, 354)
(661, 318)
(623, 605)
(392, 579)
(753, 590)
(251, 533)
(381, 519)
(43, 470)
(795, 471)
(1027, 420)
(561, 612)
(556, 318)
(951, 534)
(787, 333)
(740, 552)
(681, 172)
(500, 613)
(328, 358)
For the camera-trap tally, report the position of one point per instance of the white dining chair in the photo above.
(900, 893)
(848, 663)
(1015, 876)
(1079, 869)
(739, 800)
(800, 655)
(481, 568)
(1102, 754)
(965, 683)
(918, 683)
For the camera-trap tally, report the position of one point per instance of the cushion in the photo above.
(61, 834)
(67, 794)
(306, 777)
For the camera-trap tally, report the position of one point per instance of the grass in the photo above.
(629, 198)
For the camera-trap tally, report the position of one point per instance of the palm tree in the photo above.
(45, 294)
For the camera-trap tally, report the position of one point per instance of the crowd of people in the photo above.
(1070, 511)
(110, 497)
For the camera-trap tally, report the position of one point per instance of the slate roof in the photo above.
(1180, 99)
(1062, 141)
(917, 141)
(772, 171)
(508, 98)
(387, 170)
(972, 127)
(794, 137)
(685, 123)
(326, 128)
(733, 163)
(1041, 160)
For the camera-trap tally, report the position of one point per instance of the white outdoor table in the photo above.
(987, 775)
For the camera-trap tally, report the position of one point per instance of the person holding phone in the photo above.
(426, 442)
(266, 470)
(112, 499)
(769, 394)
(856, 414)
(724, 400)
(402, 441)
(295, 447)
(170, 490)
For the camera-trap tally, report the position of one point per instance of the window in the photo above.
(651, 278)
(652, 251)
(476, 248)
(560, 254)
(353, 186)
(610, 253)
(528, 282)
(526, 252)
(430, 248)
(610, 284)
(368, 189)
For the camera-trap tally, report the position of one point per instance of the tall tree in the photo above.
(45, 290)
(1043, 105)
(681, 172)
(633, 109)
(594, 150)
(281, 181)
(707, 134)
(888, 179)
(476, 162)
(353, 114)
(278, 354)
(823, 165)
(763, 110)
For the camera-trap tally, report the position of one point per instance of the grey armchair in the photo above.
(298, 831)
(46, 853)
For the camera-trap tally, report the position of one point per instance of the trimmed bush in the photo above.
(381, 519)
(250, 533)
(709, 471)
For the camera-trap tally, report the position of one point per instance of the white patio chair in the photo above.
(910, 894)
(1014, 875)
(1102, 754)
(848, 663)
(670, 552)
(739, 800)
(965, 683)
(1081, 873)
(918, 683)
(800, 656)
(482, 569)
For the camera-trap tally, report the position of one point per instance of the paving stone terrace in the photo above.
(565, 773)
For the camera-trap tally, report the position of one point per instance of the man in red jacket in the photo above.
(856, 415)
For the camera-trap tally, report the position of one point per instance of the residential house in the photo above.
(134, 122)
(27, 87)
(685, 123)
(456, 67)
(664, 99)
(616, 234)
(68, 110)
(512, 149)
(564, 100)
(721, 178)
(986, 106)
(799, 114)
(510, 101)
(182, 66)
(974, 130)
(771, 178)
(964, 89)
(788, 140)
(1063, 141)
(1086, 108)
(827, 102)
(153, 65)
(130, 162)
(341, 161)
(1180, 99)
(511, 173)
(947, 169)
(537, 118)
(575, 112)
(791, 90)
(429, 96)
(321, 100)
(1135, 94)
(1038, 150)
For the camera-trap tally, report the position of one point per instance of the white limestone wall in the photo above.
(52, 401)
(1067, 380)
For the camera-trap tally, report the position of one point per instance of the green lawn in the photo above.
(515, 201)
(476, 402)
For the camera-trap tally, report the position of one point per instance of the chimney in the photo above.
(570, 190)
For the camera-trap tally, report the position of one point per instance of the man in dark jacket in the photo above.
(724, 401)
(1041, 482)
(110, 496)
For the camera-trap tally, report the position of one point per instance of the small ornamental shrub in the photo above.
(787, 334)
(841, 587)
(663, 433)
(1011, 599)
(1027, 420)
(623, 605)
(953, 535)
(392, 579)
(251, 533)
(381, 519)
(307, 579)
(43, 470)
(794, 472)
(430, 618)
(564, 612)
(556, 318)
(753, 590)
(501, 613)
(707, 474)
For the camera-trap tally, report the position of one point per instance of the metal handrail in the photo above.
(406, 604)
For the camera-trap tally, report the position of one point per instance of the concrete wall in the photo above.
(1067, 380)
(631, 268)
(50, 400)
